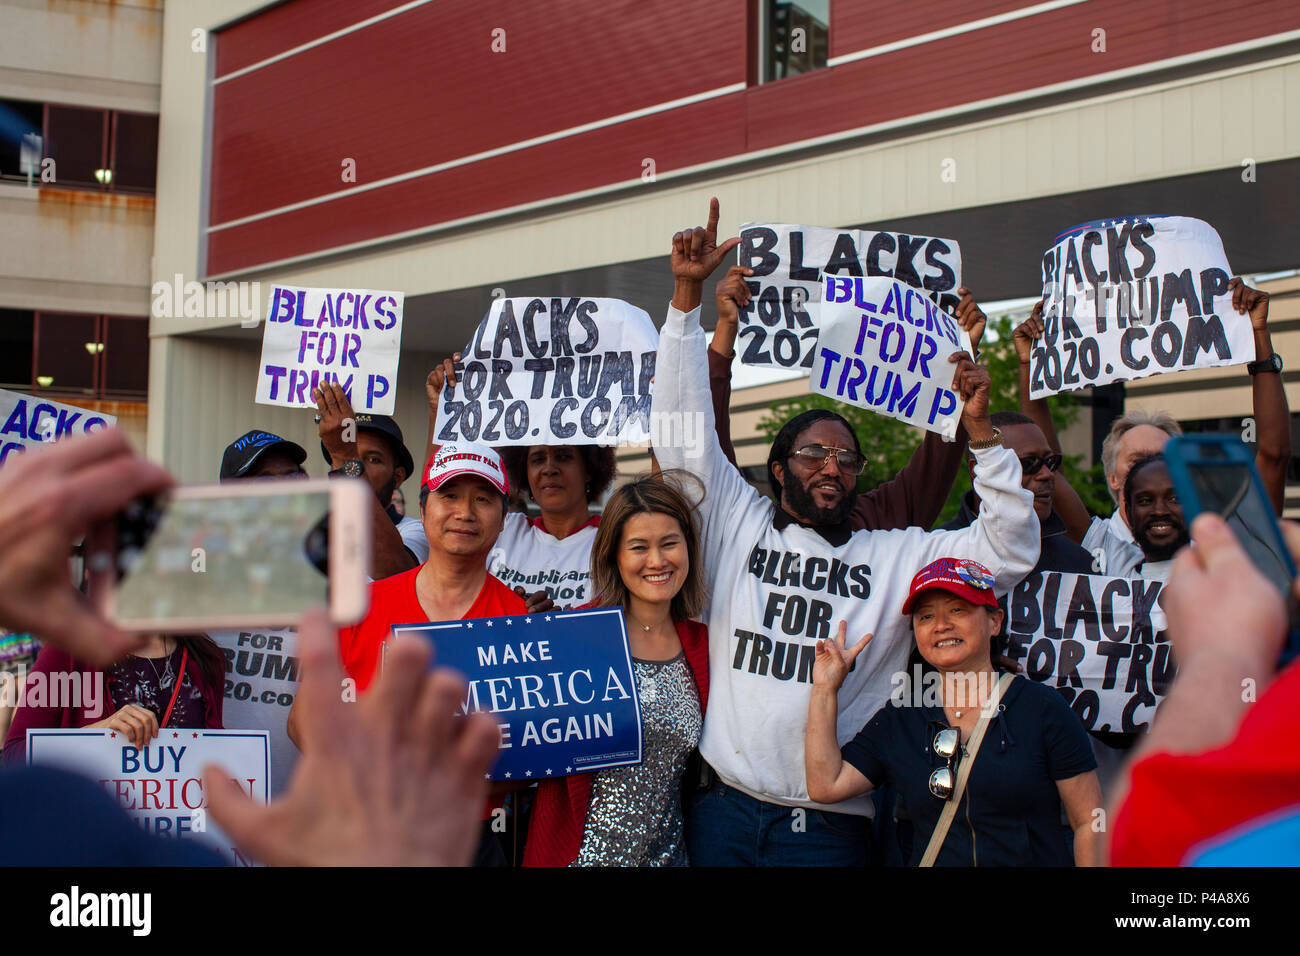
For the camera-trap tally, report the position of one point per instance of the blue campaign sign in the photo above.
(560, 684)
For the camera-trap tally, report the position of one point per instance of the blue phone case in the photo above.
(1183, 451)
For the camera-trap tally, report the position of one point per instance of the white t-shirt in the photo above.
(1111, 544)
(261, 683)
(528, 556)
(413, 536)
(777, 586)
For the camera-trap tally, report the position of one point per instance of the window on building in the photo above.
(126, 357)
(135, 152)
(86, 356)
(21, 123)
(794, 37)
(77, 140)
(67, 352)
(16, 328)
(99, 149)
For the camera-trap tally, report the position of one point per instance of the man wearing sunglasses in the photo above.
(1039, 465)
(783, 574)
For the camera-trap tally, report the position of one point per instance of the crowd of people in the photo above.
(766, 631)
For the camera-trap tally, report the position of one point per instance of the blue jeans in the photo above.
(725, 827)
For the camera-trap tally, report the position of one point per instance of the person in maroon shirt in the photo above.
(136, 696)
(916, 495)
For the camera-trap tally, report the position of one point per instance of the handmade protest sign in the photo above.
(29, 420)
(1100, 641)
(1128, 298)
(884, 346)
(554, 372)
(349, 336)
(560, 685)
(777, 329)
(161, 786)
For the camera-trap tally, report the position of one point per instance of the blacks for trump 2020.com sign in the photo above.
(560, 685)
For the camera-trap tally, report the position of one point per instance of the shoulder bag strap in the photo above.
(963, 772)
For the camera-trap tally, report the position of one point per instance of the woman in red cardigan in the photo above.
(645, 559)
(137, 696)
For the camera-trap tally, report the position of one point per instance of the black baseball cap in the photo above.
(383, 425)
(242, 453)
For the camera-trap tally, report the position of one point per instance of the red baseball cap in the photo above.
(463, 458)
(967, 579)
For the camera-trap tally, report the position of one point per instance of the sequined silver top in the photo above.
(635, 815)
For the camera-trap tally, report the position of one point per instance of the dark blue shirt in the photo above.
(1010, 812)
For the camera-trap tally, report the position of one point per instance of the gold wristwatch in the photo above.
(981, 444)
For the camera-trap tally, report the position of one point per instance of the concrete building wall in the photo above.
(68, 249)
(103, 53)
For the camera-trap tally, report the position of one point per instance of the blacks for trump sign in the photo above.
(1127, 298)
(885, 346)
(1100, 641)
(553, 372)
(560, 685)
(778, 329)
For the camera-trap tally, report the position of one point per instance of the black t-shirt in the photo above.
(1010, 813)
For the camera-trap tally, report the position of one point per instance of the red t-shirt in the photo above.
(393, 602)
(1179, 801)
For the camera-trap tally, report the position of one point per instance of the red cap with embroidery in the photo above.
(463, 458)
(960, 576)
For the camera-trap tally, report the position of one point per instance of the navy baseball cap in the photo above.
(383, 425)
(242, 453)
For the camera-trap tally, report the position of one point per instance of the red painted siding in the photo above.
(281, 132)
(416, 90)
(862, 24)
(684, 137)
(289, 25)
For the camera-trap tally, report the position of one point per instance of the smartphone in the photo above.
(255, 553)
(1217, 473)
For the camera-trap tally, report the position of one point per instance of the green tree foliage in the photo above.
(888, 443)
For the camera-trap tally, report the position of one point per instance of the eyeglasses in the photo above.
(946, 746)
(1032, 463)
(846, 459)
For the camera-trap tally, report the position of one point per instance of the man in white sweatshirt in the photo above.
(781, 577)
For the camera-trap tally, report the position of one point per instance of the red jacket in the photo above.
(560, 809)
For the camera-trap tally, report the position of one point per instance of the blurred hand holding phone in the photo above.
(251, 553)
(1217, 473)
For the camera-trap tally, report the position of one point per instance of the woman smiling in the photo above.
(646, 561)
(985, 768)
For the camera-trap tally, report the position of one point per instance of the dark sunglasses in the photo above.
(947, 747)
(846, 459)
(1031, 464)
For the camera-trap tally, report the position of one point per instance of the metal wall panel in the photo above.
(282, 132)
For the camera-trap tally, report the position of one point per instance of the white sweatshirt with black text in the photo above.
(774, 591)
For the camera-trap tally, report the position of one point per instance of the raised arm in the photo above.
(389, 554)
(1005, 536)
(682, 393)
(731, 293)
(917, 494)
(443, 374)
(1065, 499)
(1268, 397)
